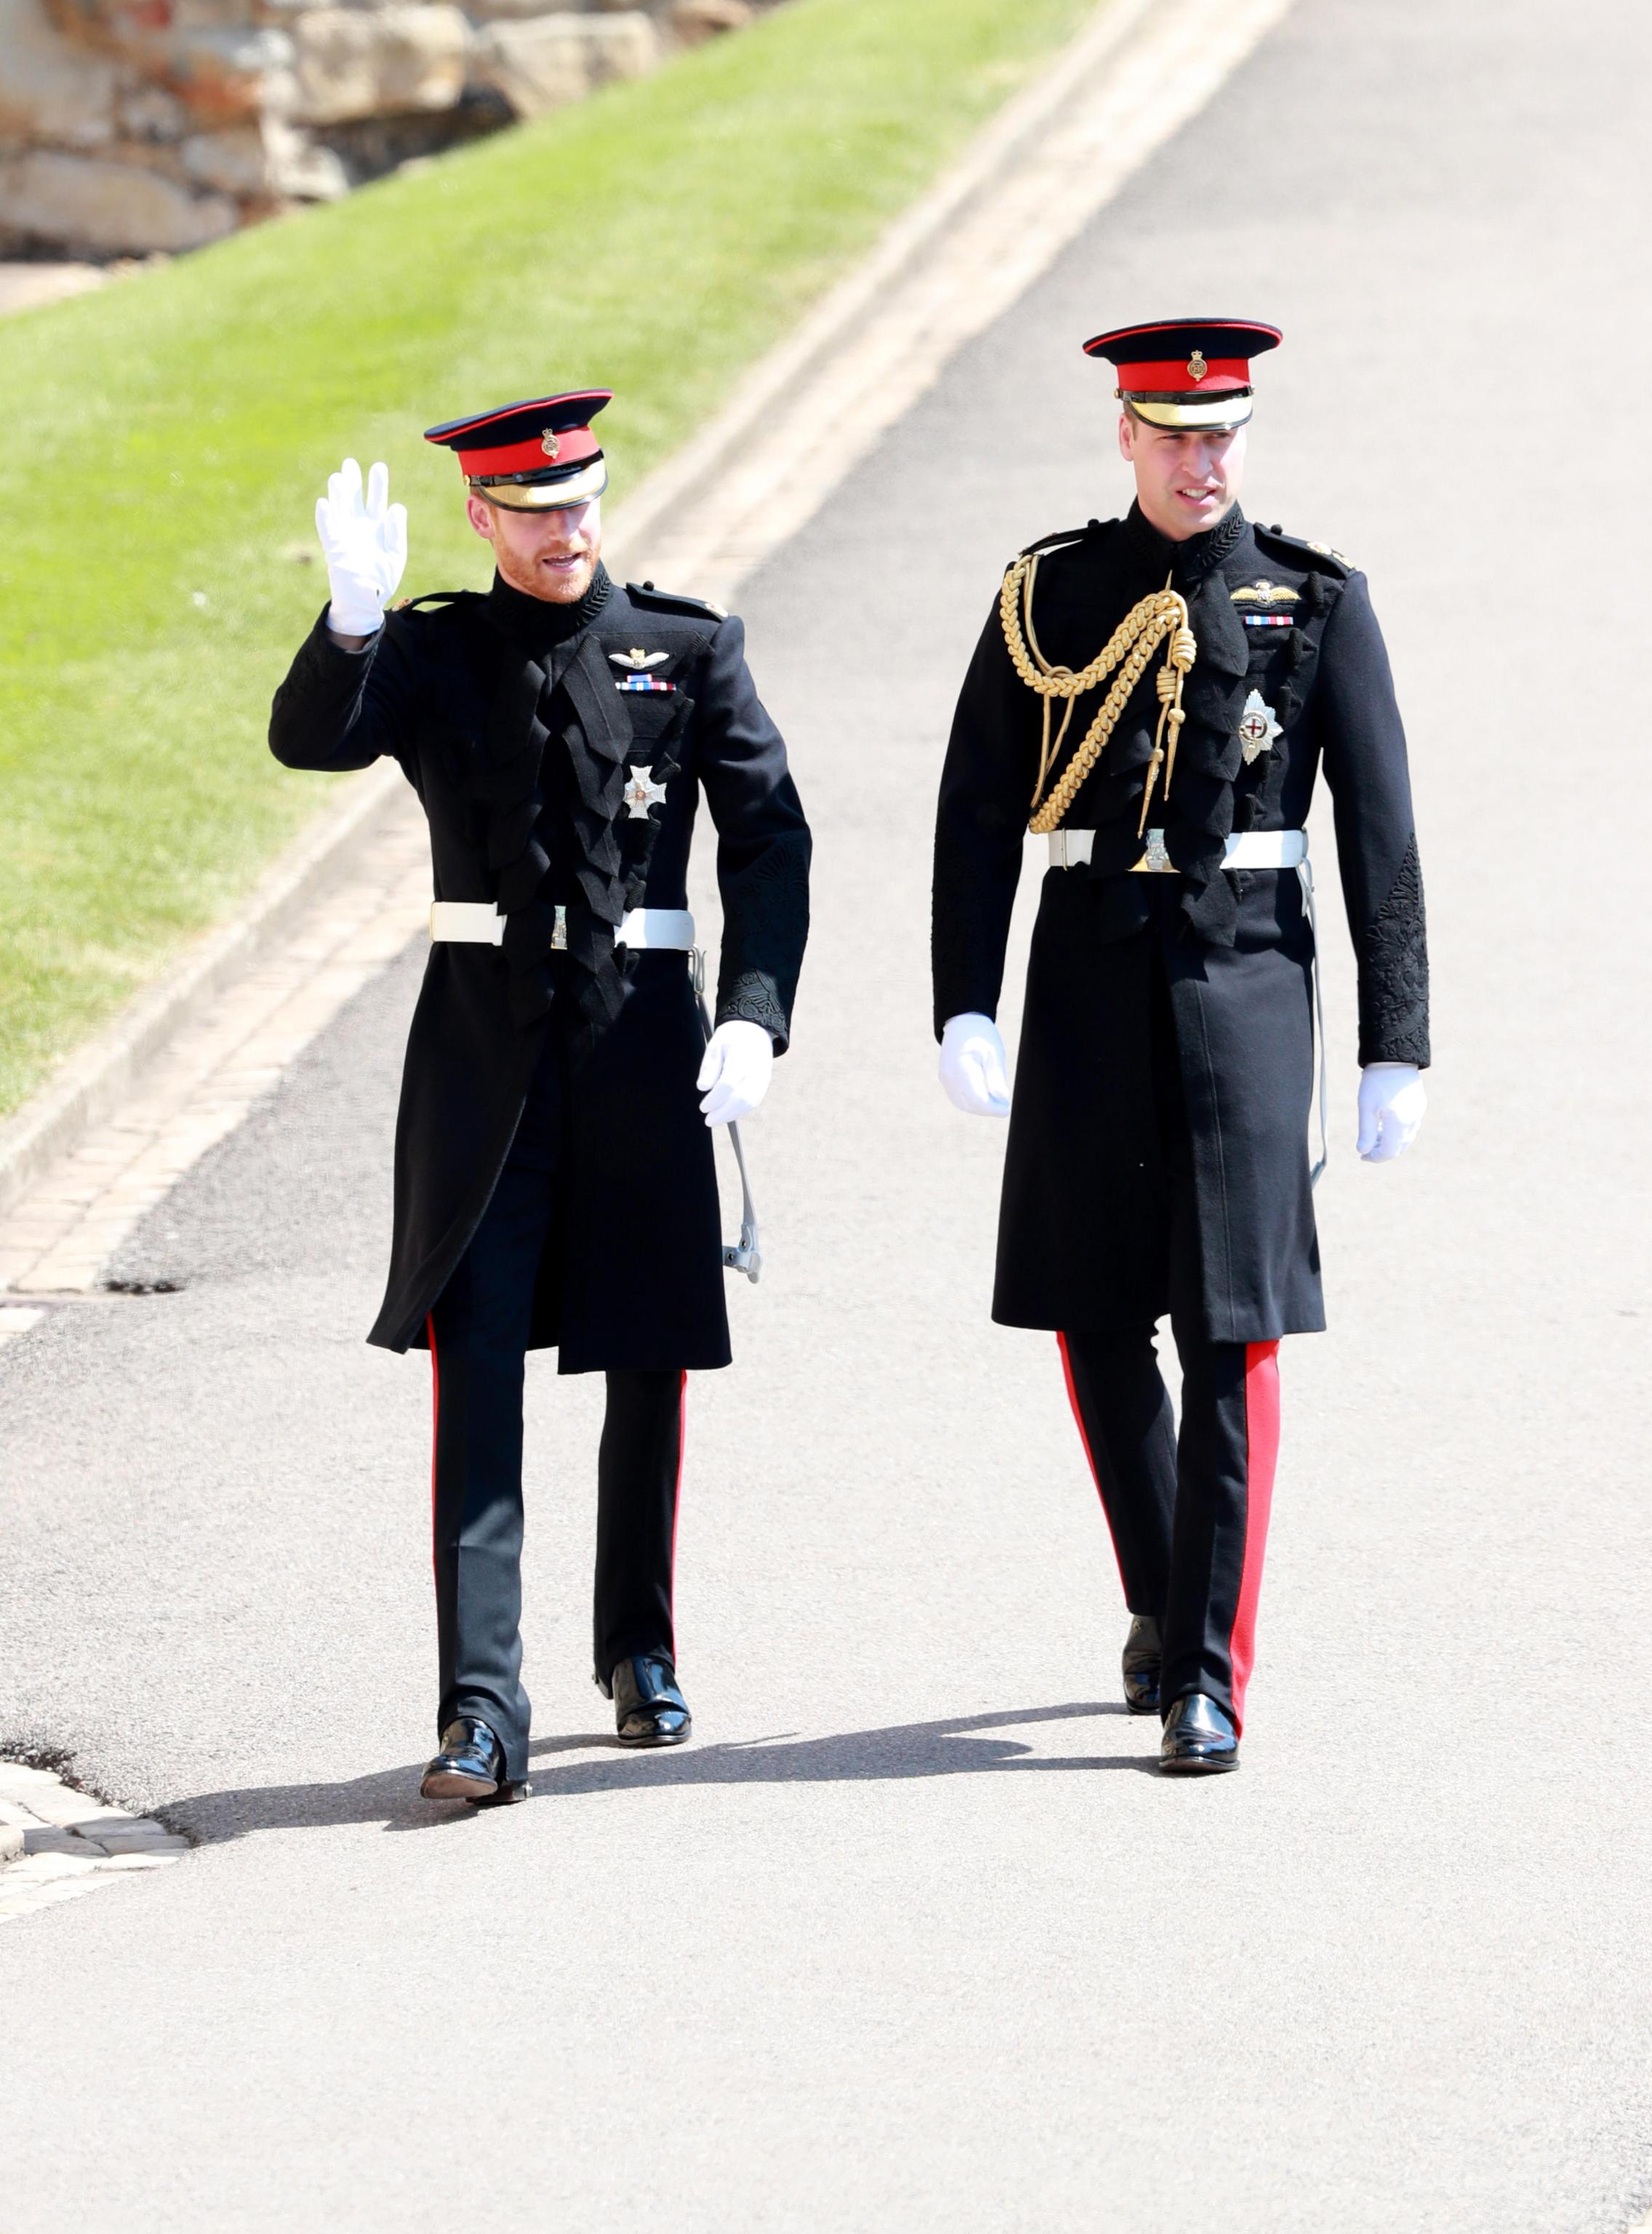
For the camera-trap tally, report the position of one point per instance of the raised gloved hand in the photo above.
(972, 1066)
(1392, 1102)
(733, 1078)
(364, 538)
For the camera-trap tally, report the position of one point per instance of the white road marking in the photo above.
(18, 1318)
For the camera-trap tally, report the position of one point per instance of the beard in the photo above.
(553, 585)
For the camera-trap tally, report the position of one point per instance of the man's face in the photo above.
(1185, 480)
(545, 554)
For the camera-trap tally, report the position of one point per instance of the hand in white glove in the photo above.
(364, 539)
(1392, 1103)
(733, 1078)
(972, 1066)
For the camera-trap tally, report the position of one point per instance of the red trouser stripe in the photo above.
(1261, 1456)
(1096, 1475)
(676, 1493)
(435, 1431)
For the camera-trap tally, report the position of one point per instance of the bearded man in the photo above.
(554, 1178)
(1154, 697)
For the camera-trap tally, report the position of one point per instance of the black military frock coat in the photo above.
(508, 718)
(1084, 1234)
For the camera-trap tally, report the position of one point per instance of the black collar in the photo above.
(1188, 562)
(539, 624)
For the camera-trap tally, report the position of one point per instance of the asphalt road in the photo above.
(911, 1936)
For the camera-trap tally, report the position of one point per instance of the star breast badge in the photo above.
(642, 793)
(636, 659)
(1257, 728)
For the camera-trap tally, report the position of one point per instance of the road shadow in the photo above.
(573, 1768)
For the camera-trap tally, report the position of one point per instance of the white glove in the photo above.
(364, 539)
(972, 1066)
(1392, 1103)
(733, 1078)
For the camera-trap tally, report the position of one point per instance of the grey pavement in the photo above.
(911, 1936)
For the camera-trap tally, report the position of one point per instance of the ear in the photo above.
(480, 517)
(1126, 437)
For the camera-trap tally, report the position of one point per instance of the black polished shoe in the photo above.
(1199, 1739)
(471, 1766)
(1143, 1651)
(649, 1709)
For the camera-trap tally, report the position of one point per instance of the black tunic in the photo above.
(1083, 1236)
(506, 715)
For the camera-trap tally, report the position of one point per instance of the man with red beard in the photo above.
(554, 1182)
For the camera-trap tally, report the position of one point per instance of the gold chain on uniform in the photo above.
(1138, 635)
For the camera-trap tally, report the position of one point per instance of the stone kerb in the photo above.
(56, 1843)
(129, 127)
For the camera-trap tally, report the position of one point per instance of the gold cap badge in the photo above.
(1196, 366)
(550, 445)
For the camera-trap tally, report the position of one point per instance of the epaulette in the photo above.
(672, 602)
(1305, 543)
(1062, 537)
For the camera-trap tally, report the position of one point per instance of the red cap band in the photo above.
(1172, 377)
(551, 449)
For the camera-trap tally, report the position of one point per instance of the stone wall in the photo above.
(132, 126)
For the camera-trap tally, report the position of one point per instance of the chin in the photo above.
(564, 589)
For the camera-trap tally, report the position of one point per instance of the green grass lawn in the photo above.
(165, 440)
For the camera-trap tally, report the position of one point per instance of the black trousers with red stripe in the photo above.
(479, 1333)
(1188, 1511)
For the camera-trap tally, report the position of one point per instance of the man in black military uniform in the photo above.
(1154, 696)
(554, 1179)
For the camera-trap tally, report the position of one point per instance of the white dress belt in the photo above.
(478, 923)
(1246, 849)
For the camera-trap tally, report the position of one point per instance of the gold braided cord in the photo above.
(1159, 618)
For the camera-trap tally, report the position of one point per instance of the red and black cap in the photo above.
(531, 457)
(1186, 372)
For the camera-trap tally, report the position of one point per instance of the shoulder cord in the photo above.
(1162, 614)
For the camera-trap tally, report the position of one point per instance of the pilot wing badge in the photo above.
(635, 660)
(1262, 592)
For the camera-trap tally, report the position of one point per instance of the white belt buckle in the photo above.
(647, 929)
(467, 923)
